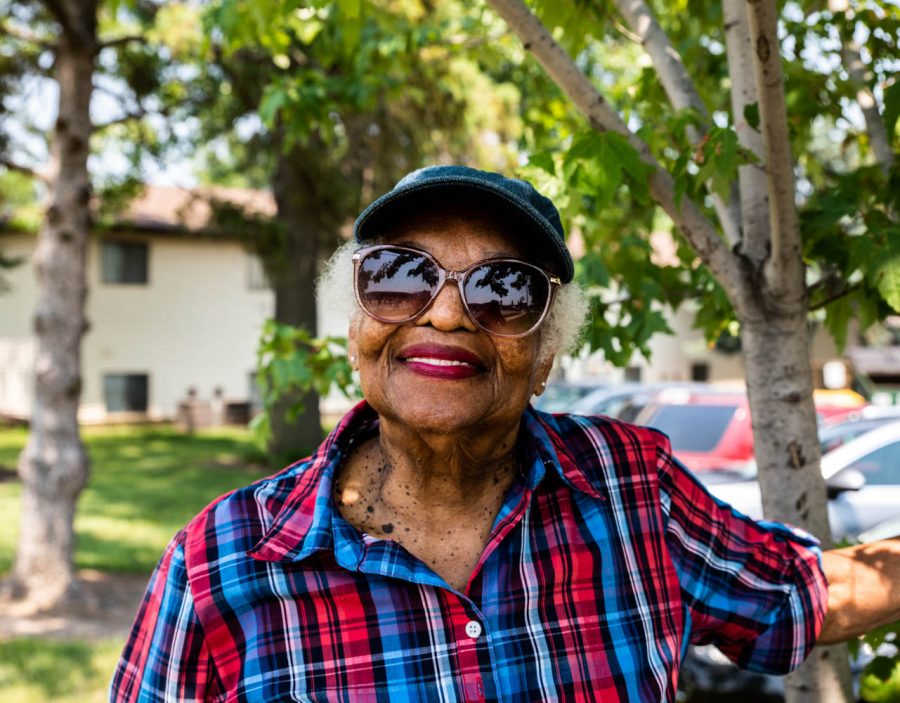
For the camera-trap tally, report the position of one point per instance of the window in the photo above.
(124, 262)
(692, 428)
(881, 467)
(125, 392)
(256, 274)
(633, 374)
(700, 371)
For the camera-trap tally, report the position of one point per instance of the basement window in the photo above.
(125, 392)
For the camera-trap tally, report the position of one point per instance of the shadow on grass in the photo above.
(144, 485)
(50, 668)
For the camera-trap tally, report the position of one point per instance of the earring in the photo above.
(353, 360)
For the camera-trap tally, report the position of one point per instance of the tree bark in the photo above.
(754, 191)
(780, 393)
(779, 386)
(54, 463)
(300, 214)
(878, 136)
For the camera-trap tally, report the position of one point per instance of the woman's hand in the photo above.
(863, 589)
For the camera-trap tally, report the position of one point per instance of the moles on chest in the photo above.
(448, 538)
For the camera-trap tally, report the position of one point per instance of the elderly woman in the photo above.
(449, 543)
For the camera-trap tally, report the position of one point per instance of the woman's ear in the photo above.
(541, 375)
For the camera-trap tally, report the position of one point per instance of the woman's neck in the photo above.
(401, 468)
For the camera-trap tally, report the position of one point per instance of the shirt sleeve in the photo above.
(166, 657)
(756, 590)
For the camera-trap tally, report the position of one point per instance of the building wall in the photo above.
(195, 324)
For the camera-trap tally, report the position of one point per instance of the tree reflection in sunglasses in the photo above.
(500, 278)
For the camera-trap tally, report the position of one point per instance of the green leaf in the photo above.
(544, 161)
(751, 114)
(837, 316)
(273, 100)
(887, 274)
(351, 9)
(882, 668)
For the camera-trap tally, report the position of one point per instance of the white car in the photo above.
(863, 479)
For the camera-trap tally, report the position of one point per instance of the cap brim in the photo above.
(378, 217)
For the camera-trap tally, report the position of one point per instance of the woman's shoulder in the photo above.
(242, 516)
(566, 426)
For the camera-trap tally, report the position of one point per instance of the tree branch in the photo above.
(24, 35)
(697, 229)
(878, 136)
(121, 41)
(11, 165)
(852, 60)
(752, 185)
(127, 117)
(682, 92)
(843, 292)
(784, 266)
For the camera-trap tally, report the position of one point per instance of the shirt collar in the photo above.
(308, 522)
(547, 444)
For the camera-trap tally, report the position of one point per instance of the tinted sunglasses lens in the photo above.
(394, 284)
(506, 297)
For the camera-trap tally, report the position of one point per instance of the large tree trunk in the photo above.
(54, 463)
(300, 215)
(779, 385)
(774, 326)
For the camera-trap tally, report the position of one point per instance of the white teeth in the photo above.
(437, 362)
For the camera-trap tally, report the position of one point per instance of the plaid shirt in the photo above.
(606, 559)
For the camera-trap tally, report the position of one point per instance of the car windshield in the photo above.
(834, 436)
(692, 428)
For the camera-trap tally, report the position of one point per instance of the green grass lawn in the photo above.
(36, 670)
(145, 484)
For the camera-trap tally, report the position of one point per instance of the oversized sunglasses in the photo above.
(504, 297)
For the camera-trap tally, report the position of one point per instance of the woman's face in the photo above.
(441, 372)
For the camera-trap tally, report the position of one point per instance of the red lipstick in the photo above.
(441, 361)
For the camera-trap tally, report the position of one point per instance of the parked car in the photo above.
(711, 431)
(863, 479)
(559, 396)
(833, 432)
(625, 401)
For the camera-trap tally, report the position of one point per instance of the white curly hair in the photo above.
(560, 332)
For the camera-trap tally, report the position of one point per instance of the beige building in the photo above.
(170, 309)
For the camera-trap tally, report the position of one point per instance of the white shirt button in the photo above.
(473, 629)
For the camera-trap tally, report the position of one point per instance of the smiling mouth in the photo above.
(441, 362)
(437, 362)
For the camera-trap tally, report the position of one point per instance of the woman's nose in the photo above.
(447, 312)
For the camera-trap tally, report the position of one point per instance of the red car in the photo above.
(711, 431)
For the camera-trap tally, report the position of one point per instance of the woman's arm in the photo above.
(863, 589)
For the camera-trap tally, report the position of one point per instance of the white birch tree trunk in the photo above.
(54, 463)
(777, 354)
